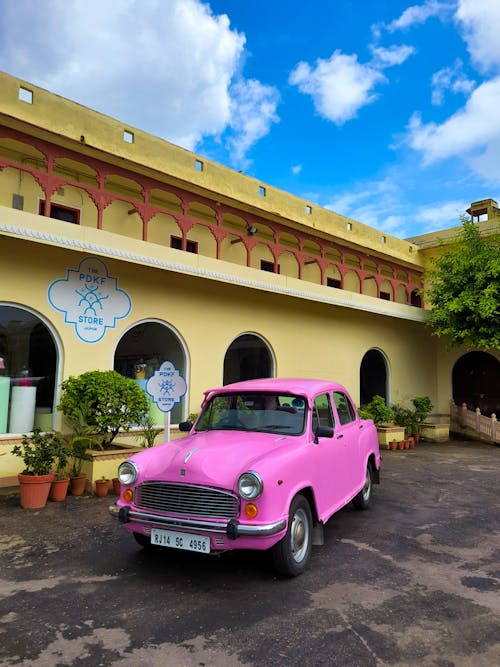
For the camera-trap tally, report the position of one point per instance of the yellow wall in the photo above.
(307, 338)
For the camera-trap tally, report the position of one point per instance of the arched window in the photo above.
(28, 370)
(141, 351)
(247, 358)
(476, 382)
(373, 377)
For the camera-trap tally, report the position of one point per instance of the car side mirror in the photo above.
(185, 426)
(322, 432)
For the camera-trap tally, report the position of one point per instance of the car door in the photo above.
(348, 430)
(331, 458)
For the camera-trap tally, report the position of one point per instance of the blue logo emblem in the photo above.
(166, 386)
(90, 299)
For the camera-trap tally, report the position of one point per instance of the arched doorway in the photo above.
(476, 382)
(247, 358)
(373, 377)
(141, 351)
(28, 371)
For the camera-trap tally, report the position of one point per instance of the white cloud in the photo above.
(339, 86)
(418, 14)
(450, 78)
(381, 204)
(393, 55)
(296, 169)
(374, 203)
(253, 109)
(480, 23)
(470, 130)
(165, 67)
(439, 215)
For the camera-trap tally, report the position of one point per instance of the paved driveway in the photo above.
(415, 580)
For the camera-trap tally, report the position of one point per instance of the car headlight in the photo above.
(250, 485)
(127, 473)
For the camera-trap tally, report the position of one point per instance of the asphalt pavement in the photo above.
(414, 580)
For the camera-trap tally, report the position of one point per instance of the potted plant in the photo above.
(109, 402)
(59, 486)
(38, 452)
(102, 487)
(404, 417)
(412, 418)
(423, 408)
(383, 417)
(79, 441)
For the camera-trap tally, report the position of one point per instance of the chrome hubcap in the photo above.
(299, 535)
(367, 486)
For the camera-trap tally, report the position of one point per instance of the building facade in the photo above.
(120, 250)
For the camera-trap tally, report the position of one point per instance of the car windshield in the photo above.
(266, 412)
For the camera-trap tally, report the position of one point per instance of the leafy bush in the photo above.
(39, 451)
(149, 431)
(377, 410)
(411, 418)
(107, 402)
(423, 408)
(82, 437)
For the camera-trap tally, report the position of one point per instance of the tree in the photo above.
(464, 290)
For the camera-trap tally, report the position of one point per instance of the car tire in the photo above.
(291, 554)
(362, 499)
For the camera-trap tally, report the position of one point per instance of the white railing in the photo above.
(463, 419)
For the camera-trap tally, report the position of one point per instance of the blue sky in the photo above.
(382, 110)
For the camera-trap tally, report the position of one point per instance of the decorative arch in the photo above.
(248, 357)
(142, 349)
(373, 376)
(30, 351)
(476, 382)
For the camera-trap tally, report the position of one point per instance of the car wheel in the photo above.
(291, 555)
(362, 500)
(143, 540)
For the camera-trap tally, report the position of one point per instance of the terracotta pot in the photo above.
(77, 485)
(416, 437)
(34, 490)
(59, 489)
(116, 486)
(411, 443)
(101, 487)
(393, 445)
(401, 445)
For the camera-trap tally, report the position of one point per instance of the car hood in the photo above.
(214, 458)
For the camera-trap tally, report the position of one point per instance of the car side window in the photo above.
(322, 414)
(344, 407)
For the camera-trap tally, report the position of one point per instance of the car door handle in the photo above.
(339, 436)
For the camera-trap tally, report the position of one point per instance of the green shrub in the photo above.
(411, 418)
(39, 452)
(377, 410)
(107, 402)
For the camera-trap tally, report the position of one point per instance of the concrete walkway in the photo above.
(415, 580)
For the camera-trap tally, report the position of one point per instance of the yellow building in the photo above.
(121, 250)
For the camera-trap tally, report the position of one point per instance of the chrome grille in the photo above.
(187, 500)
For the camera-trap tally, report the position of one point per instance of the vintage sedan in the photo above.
(264, 466)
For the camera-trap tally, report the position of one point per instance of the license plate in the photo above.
(175, 540)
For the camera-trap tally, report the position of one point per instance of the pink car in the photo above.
(265, 465)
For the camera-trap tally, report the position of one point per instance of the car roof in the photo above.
(301, 386)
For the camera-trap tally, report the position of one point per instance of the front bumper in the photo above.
(232, 529)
